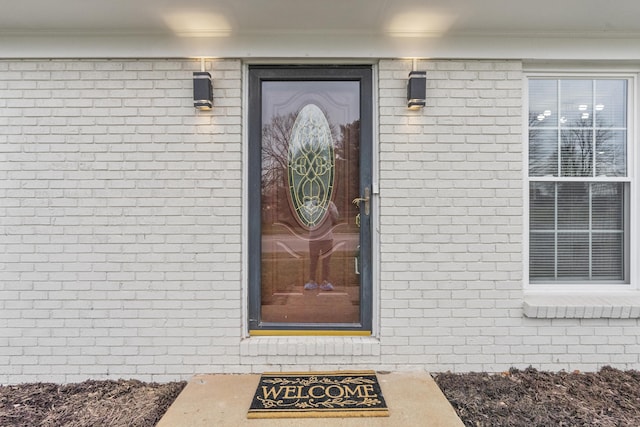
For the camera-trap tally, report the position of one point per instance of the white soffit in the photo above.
(544, 29)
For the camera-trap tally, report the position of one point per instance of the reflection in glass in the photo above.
(590, 134)
(577, 225)
(310, 166)
(611, 152)
(310, 174)
(611, 103)
(321, 247)
(543, 103)
(576, 152)
(543, 152)
(576, 102)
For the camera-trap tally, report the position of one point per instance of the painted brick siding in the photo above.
(451, 215)
(451, 218)
(120, 248)
(121, 229)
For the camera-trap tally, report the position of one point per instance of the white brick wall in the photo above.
(451, 228)
(120, 245)
(121, 229)
(451, 213)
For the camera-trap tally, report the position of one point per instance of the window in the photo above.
(579, 181)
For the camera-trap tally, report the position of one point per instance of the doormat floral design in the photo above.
(318, 395)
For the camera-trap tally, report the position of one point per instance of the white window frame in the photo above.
(633, 118)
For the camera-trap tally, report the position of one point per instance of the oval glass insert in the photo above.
(311, 165)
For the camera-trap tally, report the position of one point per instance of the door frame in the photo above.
(256, 74)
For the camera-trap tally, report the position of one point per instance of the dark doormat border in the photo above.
(327, 394)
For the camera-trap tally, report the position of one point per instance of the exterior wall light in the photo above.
(417, 90)
(202, 90)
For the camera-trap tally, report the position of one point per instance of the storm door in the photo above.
(310, 135)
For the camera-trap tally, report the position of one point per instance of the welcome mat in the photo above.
(318, 395)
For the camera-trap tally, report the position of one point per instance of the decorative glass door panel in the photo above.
(307, 204)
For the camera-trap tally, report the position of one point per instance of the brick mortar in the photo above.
(121, 229)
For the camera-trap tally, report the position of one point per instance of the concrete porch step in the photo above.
(413, 398)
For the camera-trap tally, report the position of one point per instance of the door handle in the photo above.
(366, 199)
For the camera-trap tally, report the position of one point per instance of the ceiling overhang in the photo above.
(545, 29)
(325, 46)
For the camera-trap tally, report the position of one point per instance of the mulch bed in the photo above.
(529, 397)
(515, 398)
(123, 403)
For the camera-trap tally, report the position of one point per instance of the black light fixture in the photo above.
(417, 90)
(202, 90)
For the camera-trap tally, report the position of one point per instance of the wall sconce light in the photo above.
(202, 90)
(417, 90)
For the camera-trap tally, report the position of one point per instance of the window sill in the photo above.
(582, 306)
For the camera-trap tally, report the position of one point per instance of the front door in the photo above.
(310, 139)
